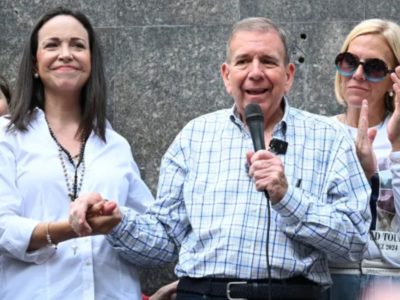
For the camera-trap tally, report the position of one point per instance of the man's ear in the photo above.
(290, 71)
(225, 73)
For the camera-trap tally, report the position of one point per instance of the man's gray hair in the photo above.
(257, 24)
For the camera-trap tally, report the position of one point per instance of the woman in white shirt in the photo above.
(55, 146)
(367, 84)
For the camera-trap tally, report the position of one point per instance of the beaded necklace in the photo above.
(73, 185)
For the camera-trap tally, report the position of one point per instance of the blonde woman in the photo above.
(367, 84)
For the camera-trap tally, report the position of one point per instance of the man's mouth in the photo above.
(256, 91)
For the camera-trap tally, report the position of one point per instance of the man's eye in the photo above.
(241, 62)
(268, 62)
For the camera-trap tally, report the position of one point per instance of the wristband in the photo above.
(48, 237)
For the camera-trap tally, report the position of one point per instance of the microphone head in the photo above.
(253, 112)
(255, 122)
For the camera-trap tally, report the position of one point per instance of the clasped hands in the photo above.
(91, 214)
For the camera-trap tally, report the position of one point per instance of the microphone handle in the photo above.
(265, 191)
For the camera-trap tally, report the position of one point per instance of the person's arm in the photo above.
(23, 238)
(154, 237)
(393, 129)
(50, 234)
(102, 218)
(394, 122)
(364, 140)
(151, 237)
(136, 196)
(339, 227)
(336, 220)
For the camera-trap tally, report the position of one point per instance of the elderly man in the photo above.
(212, 213)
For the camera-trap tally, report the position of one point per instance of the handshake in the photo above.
(91, 214)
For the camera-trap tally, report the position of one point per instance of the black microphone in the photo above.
(255, 122)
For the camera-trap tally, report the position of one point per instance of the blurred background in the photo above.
(163, 60)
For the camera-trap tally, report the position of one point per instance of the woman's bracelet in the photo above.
(48, 237)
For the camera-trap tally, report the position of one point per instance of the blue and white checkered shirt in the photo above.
(209, 214)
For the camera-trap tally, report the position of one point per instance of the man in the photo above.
(211, 211)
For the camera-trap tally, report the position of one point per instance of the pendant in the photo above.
(74, 248)
(71, 197)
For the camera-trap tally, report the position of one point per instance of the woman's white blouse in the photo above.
(33, 190)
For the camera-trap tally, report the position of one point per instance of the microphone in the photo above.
(255, 122)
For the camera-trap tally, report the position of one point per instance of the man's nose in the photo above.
(256, 70)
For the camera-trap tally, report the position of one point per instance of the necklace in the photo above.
(78, 162)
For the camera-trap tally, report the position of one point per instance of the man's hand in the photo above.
(268, 174)
(103, 217)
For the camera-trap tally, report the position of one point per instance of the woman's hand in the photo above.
(394, 122)
(91, 214)
(364, 140)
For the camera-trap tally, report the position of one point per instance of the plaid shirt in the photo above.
(210, 215)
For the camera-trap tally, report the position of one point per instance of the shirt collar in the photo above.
(281, 126)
